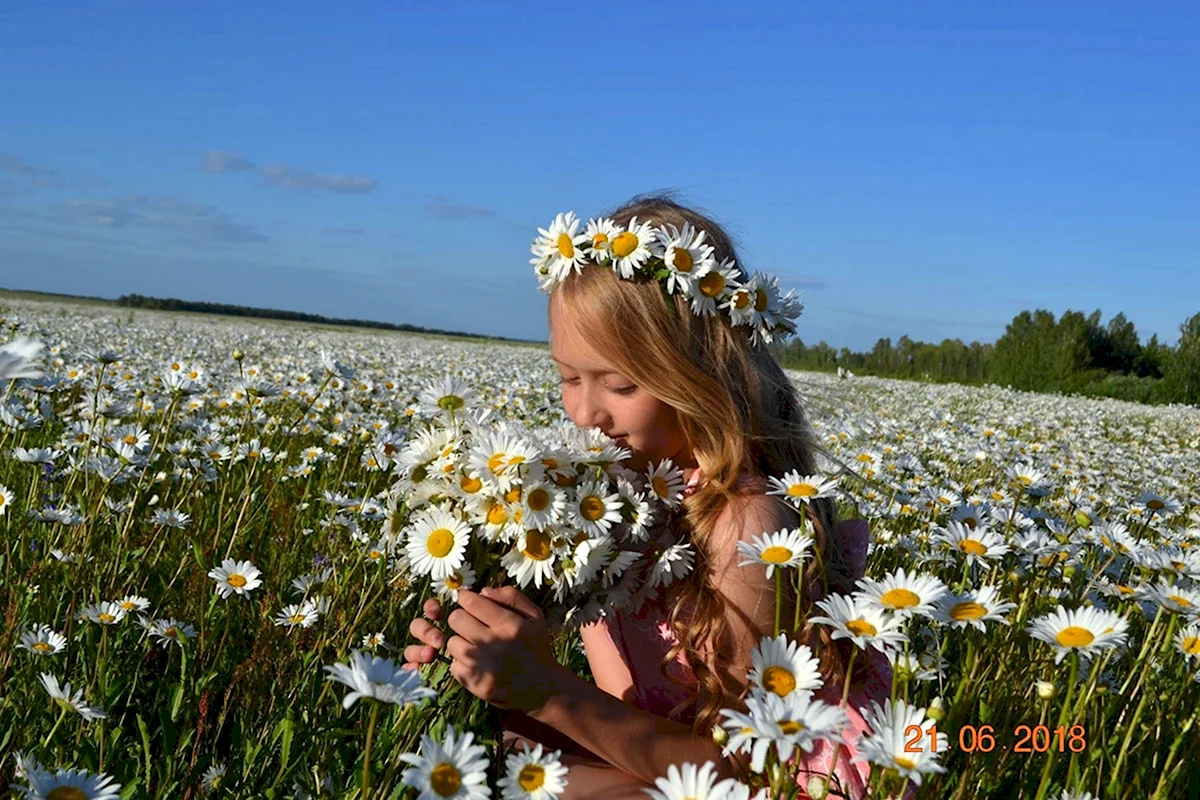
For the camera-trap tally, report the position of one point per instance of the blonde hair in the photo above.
(739, 413)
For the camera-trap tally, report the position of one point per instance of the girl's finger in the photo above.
(467, 626)
(427, 633)
(432, 609)
(419, 654)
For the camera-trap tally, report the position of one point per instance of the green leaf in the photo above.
(985, 711)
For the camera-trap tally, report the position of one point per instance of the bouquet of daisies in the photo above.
(483, 502)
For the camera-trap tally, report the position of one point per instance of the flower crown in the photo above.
(678, 260)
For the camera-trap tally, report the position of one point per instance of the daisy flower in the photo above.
(448, 394)
(686, 257)
(1187, 641)
(379, 679)
(133, 602)
(665, 481)
(496, 457)
(799, 490)
(6, 499)
(886, 745)
(43, 640)
(593, 510)
(461, 578)
(170, 630)
(784, 548)
(298, 615)
(531, 560)
(559, 250)
(972, 608)
(213, 777)
(542, 504)
(437, 543)
(1085, 630)
(600, 233)
(689, 783)
(1175, 598)
(105, 613)
(19, 359)
(795, 721)
(714, 287)
(235, 577)
(781, 667)
(70, 700)
(66, 784)
(633, 247)
(902, 593)
(453, 769)
(533, 775)
(978, 545)
(863, 624)
(672, 564)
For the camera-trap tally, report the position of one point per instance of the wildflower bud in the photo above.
(936, 710)
(816, 788)
(238, 355)
(775, 772)
(719, 736)
(1083, 519)
(153, 501)
(1045, 689)
(1069, 572)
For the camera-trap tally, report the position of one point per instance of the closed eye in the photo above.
(624, 390)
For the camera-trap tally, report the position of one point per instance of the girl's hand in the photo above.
(502, 651)
(417, 655)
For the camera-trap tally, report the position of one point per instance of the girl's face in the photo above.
(595, 395)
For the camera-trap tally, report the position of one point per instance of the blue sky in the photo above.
(920, 168)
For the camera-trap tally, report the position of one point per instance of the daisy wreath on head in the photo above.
(678, 260)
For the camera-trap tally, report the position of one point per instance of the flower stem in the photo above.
(366, 775)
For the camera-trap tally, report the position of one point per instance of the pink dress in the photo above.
(644, 638)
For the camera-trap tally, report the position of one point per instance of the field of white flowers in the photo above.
(213, 531)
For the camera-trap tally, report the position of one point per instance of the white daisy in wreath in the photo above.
(559, 249)
(686, 257)
(713, 288)
(633, 247)
(600, 233)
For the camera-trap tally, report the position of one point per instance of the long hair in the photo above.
(739, 413)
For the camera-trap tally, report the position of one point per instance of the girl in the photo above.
(689, 379)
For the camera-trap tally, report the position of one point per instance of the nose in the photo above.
(589, 411)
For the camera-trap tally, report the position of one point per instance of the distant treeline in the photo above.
(1074, 354)
(175, 304)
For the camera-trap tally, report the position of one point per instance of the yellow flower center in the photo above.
(760, 300)
(531, 777)
(712, 284)
(470, 485)
(106, 618)
(790, 726)
(972, 547)
(776, 555)
(566, 248)
(445, 780)
(513, 495)
(1075, 636)
(660, 486)
(440, 542)
(860, 627)
(741, 299)
(374, 554)
(498, 462)
(802, 490)
(1157, 505)
(681, 260)
(66, 793)
(778, 680)
(624, 244)
(904, 762)
(900, 598)
(1180, 599)
(296, 619)
(454, 582)
(171, 632)
(591, 507)
(599, 240)
(539, 500)
(42, 647)
(966, 611)
(130, 439)
(236, 581)
(450, 402)
(1191, 645)
(537, 545)
(497, 514)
